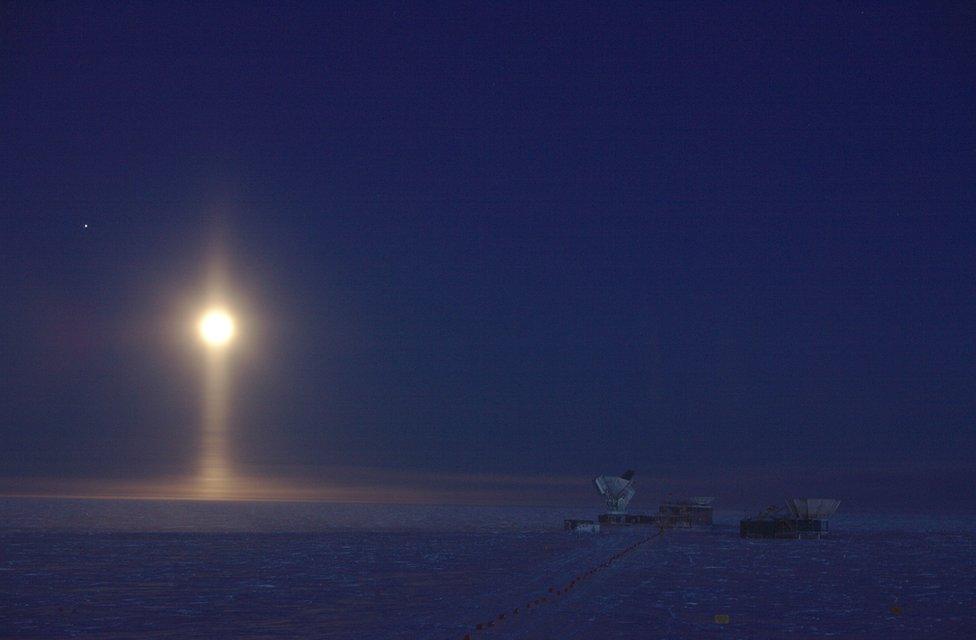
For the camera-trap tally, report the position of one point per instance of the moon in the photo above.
(216, 327)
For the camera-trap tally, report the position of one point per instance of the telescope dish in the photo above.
(616, 490)
(812, 508)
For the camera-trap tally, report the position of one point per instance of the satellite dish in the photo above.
(812, 508)
(616, 490)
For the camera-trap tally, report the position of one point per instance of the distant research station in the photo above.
(803, 518)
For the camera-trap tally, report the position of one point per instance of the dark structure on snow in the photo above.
(617, 491)
(581, 526)
(626, 518)
(688, 512)
(804, 518)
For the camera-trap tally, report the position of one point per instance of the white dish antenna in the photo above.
(702, 501)
(616, 490)
(812, 508)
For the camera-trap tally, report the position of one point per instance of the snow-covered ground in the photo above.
(127, 569)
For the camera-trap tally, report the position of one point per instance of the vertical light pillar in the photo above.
(216, 330)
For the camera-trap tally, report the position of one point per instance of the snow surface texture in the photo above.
(127, 569)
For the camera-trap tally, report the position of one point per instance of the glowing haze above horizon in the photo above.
(473, 254)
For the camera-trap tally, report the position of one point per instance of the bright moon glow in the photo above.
(216, 328)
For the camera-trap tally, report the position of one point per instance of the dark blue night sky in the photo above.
(704, 241)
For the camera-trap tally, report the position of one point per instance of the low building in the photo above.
(687, 512)
(626, 519)
(581, 526)
(804, 518)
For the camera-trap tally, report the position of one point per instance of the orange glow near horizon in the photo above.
(363, 485)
